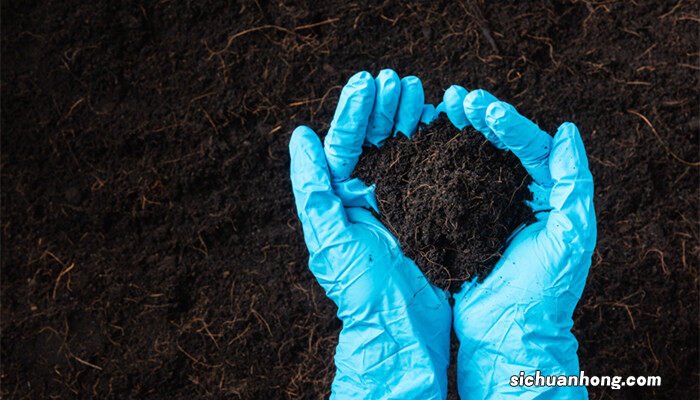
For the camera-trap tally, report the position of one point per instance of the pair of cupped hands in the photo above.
(395, 340)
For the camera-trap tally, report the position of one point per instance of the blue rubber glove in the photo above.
(520, 317)
(396, 326)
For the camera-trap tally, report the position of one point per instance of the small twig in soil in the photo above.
(195, 360)
(64, 271)
(80, 360)
(664, 144)
(235, 36)
(211, 122)
(308, 26)
(262, 320)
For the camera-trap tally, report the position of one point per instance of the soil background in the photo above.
(150, 247)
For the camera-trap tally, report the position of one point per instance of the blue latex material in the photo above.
(410, 106)
(394, 343)
(452, 99)
(520, 317)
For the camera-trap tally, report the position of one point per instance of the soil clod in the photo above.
(450, 197)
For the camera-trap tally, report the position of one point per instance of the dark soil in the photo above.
(150, 247)
(450, 197)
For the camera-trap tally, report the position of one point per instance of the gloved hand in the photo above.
(396, 326)
(520, 317)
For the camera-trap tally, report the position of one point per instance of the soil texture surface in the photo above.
(150, 247)
(450, 197)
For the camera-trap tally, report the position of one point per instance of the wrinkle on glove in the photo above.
(354, 193)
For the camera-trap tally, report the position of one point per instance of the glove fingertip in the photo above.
(387, 92)
(453, 99)
(343, 144)
(497, 114)
(475, 104)
(388, 74)
(307, 157)
(429, 114)
(360, 77)
(302, 137)
(410, 106)
(568, 155)
(440, 108)
(571, 199)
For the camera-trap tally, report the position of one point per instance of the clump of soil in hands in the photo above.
(450, 197)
